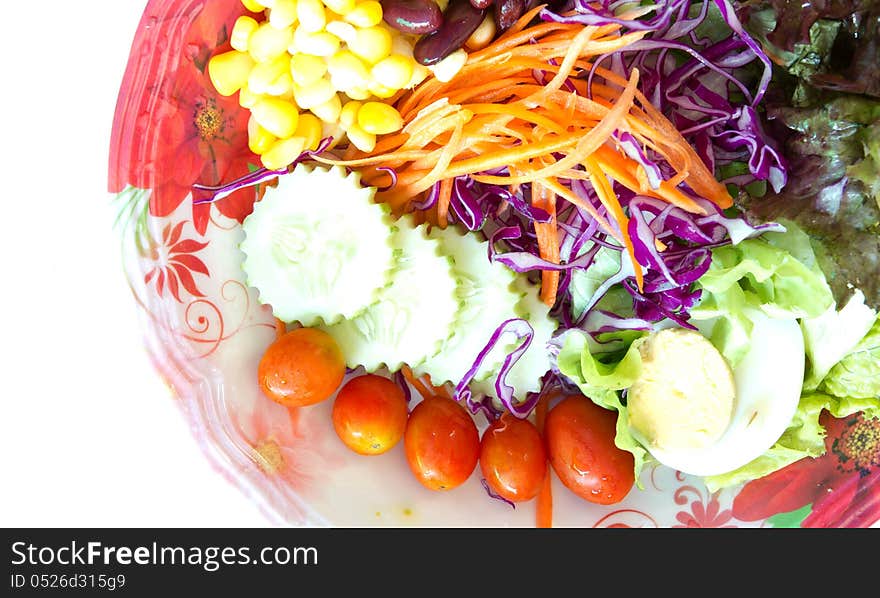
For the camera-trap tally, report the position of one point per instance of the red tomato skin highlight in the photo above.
(512, 458)
(301, 367)
(369, 414)
(579, 436)
(442, 443)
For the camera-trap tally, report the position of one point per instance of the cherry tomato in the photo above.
(442, 443)
(580, 444)
(302, 367)
(512, 458)
(369, 414)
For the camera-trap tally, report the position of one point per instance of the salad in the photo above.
(567, 240)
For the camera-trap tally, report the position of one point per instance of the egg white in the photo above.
(768, 382)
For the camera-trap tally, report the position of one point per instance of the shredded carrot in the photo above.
(280, 328)
(548, 242)
(426, 389)
(544, 500)
(443, 201)
(520, 112)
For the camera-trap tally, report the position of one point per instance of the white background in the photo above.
(89, 435)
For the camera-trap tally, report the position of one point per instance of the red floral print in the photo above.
(706, 514)
(175, 263)
(180, 130)
(843, 485)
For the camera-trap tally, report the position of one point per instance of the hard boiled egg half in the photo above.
(695, 413)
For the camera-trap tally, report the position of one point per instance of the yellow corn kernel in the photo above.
(340, 7)
(259, 139)
(283, 14)
(253, 5)
(380, 91)
(333, 130)
(267, 42)
(242, 30)
(229, 71)
(312, 17)
(347, 71)
(311, 95)
(443, 4)
(482, 35)
(358, 93)
(448, 68)
(366, 142)
(365, 14)
(320, 43)
(394, 72)
(420, 73)
(344, 31)
(247, 98)
(307, 69)
(282, 86)
(283, 152)
(277, 116)
(309, 128)
(329, 110)
(371, 43)
(348, 116)
(268, 76)
(379, 118)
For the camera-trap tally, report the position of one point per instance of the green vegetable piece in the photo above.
(858, 374)
(777, 273)
(413, 316)
(833, 335)
(487, 297)
(314, 260)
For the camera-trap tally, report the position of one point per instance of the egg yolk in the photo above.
(684, 395)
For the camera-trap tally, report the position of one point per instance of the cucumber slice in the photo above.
(525, 375)
(488, 297)
(317, 248)
(413, 316)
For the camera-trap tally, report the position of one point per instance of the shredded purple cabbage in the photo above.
(495, 495)
(694, 81)
(524, 334)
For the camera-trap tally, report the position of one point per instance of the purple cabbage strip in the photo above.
(632, 148)
(600, 321)
(525, 261)
(695, 94)
(524, 333)
(495, 495)
(472, 202)
(401, 381)
(392, 173)
(209, 194)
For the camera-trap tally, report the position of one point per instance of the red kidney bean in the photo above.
(459, 21)
(482, 3)
(412, 16)
(507, 12)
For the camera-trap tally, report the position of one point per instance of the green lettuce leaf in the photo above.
(585, 283)
(834, 335)
(832, 147)
(858, 374)
(777, 273)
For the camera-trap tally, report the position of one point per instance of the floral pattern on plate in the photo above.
(205, 331)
